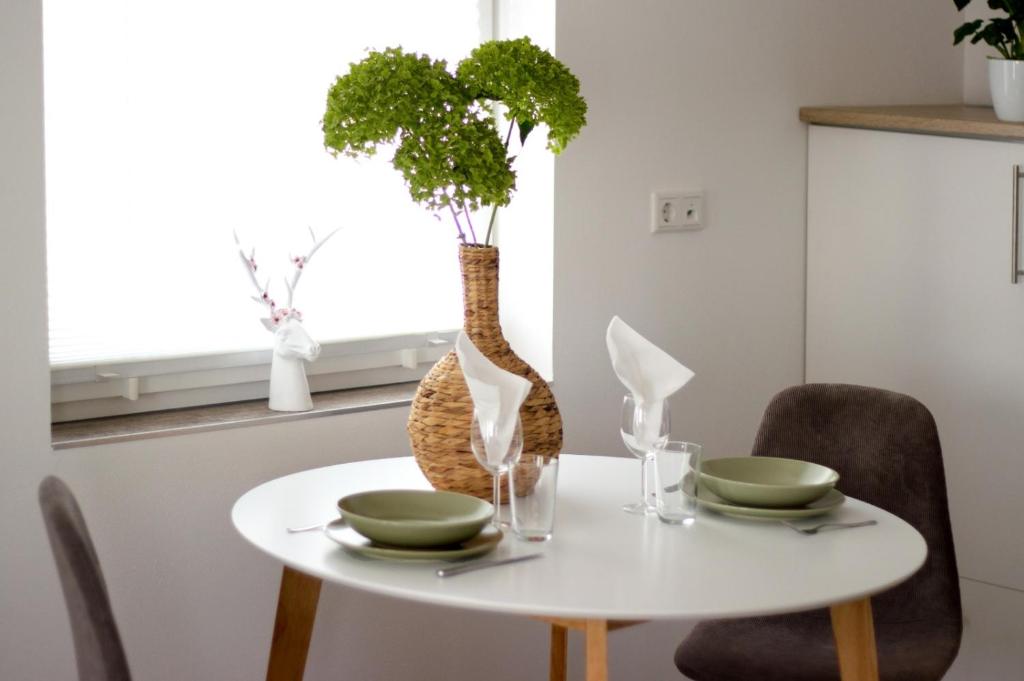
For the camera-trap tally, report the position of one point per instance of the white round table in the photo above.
(603, 568)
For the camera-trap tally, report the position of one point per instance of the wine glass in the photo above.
(641, 439)
(495, 463)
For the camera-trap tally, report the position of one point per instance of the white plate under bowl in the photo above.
(485, 542)
(708, 499)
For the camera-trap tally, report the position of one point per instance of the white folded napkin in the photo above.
(647, 371)
(497, 395)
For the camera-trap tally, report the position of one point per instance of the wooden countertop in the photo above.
(954, 120)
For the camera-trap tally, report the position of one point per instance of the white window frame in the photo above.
(116, 388)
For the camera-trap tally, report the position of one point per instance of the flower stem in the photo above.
(457, 225)
(490, 226)
(470, 222)
(494, 209)
(508, 135)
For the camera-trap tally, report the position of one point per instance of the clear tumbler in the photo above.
(533, 481)
(676, 471)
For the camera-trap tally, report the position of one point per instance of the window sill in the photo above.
(115, 429)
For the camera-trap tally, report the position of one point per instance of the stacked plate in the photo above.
(414, 524)
(768, 487)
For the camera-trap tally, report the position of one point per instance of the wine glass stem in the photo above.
(497, 500)
(643, 481)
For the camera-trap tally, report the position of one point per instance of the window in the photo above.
(171, 125)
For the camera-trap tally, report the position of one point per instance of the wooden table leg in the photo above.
(293, 626)
(596, 632)
(559, 652)
(854, 631)
(597, 650)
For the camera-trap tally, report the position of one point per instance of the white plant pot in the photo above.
(1006, 81)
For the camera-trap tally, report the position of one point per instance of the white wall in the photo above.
(976, 90)
(704, 95)
(682, 94)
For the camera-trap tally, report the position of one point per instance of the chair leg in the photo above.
(293, 626)
(854, 631)
(559, 652)
(597, 650)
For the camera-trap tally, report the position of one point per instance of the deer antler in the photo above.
(300, 262)
(277, 315)
(249, 261)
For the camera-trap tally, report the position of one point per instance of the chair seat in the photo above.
(800, 647)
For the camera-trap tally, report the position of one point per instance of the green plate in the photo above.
(831, 501)
(767, 481)
(415, 517)
(483, 542)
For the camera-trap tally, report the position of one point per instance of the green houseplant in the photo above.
(454, 158)
(1005, 34)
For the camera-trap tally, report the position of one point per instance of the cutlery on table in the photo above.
(836, 526)
(481, 564)
(310, 528)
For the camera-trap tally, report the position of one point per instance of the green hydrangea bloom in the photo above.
(449, 149)
(533, 85)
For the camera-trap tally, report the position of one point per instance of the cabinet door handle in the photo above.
(1015, 271)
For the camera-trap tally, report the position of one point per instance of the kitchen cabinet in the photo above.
(909, 255)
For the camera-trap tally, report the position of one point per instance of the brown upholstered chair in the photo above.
(98, 649)
(886, 449)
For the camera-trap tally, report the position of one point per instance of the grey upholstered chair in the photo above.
(886, 449)
(98, 649)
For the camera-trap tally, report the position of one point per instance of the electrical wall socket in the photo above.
(677, 211)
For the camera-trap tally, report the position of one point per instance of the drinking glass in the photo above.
(495, 463)
(676, 470)
(532, 482)
(641, 441)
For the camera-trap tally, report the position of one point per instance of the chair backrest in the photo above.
(886, 449)
(98, 649)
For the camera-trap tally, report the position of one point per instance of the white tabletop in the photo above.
(602, 563)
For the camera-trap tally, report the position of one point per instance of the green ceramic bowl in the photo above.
(406, 517)
(767, 481)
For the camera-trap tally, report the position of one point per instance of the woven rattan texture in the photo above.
(442, 409)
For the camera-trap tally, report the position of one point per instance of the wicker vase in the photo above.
(442, 409)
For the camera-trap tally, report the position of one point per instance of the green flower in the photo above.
(449, 149)
(533, 85)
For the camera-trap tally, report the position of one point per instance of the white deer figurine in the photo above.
(289, 389)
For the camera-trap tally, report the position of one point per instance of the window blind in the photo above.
(171, 125)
